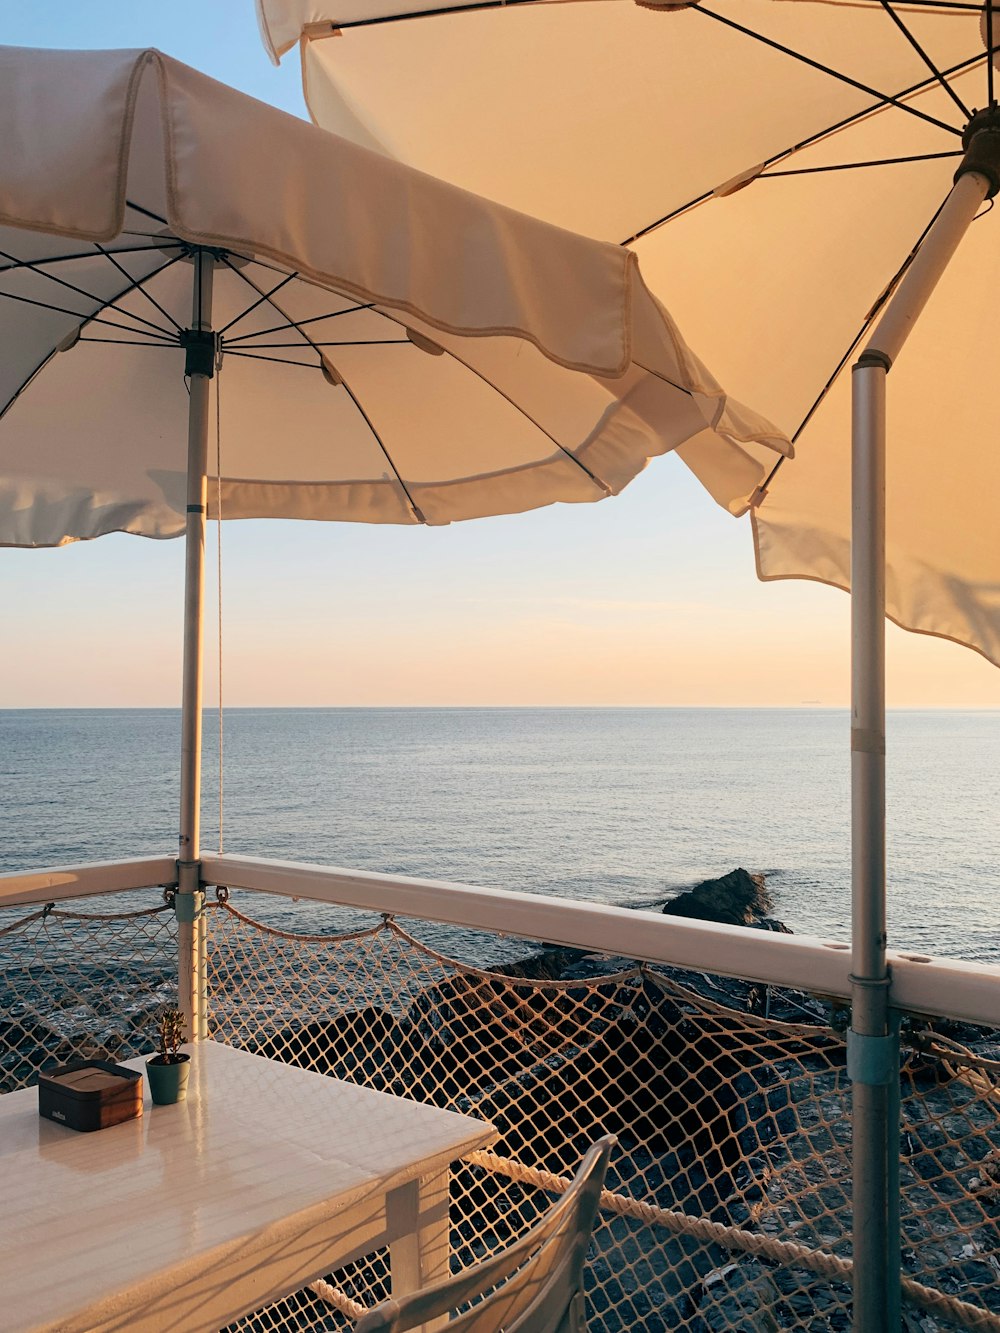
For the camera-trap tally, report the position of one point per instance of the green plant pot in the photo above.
(168, 1083)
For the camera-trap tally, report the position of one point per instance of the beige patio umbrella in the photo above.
(639, 125)
(384, 348)
(782, 167)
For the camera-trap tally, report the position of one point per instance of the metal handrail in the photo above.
(920, 984)
(57, 883)
(937, 986)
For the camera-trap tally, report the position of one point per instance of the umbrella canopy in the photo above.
(788, 169)
(392, 349)
(774, 164)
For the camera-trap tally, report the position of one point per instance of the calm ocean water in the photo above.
(622, 806)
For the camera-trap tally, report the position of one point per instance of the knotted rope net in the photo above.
(727, 1205)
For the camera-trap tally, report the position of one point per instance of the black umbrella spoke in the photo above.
(138, 208)
(939, 77)
(137, 285)
(852, 166)
(298, 323)
(260, 301)
(85, 321)
(134, 342)
(533, 421)
(269, 299)
(990, 49)
(80, 291)
(855, 342)
(278, 360)
(414, 509)
(77, 314)
(307, 340)
(960, 6)
(962, 67)
(884, 99)
(290, 324)
(359, 342)
(84, 254)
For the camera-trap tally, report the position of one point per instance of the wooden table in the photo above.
(264, 1179)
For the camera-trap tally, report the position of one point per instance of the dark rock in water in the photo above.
(343, 1044)
(468, 1032)
(736, 899)
(549, 965)
(772, 923)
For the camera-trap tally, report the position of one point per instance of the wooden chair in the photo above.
(535, 1285)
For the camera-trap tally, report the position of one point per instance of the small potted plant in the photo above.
(168, 1070)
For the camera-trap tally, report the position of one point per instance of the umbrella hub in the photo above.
(981, 141)
(201, 351)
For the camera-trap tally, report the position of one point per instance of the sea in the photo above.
(614, 805)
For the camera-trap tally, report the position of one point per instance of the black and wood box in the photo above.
(92, 1094)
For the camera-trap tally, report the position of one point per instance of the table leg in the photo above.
(418, 1214)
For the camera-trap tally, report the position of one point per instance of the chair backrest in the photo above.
(535, 1284)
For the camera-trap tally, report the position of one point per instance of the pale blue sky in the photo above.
(650, 598)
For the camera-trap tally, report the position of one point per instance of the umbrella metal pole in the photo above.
(199, 368)
(873, 1039)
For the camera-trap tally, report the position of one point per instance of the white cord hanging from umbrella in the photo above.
(218, 547)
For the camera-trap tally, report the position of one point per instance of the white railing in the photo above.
(920, 984)
(943, 987)
(57, 883)
(714, 1102)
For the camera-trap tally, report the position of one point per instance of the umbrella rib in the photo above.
(358, 342)
(852, 346)
(85, 254)
(347, 388)
(381, 444)
(25, 382)
(961, 68)
(86, 319)
(278, 360)
(885, 99)
(260, 301)
(961, 6)
(77, 314)
(474, 370)
(926, 59)
(851, 166)
(146, 213)
(138, 286)
(135, 342)
(269, 299)
(298, 324)
(80, 291)
(595, 479)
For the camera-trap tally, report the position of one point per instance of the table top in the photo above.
(88, 1217)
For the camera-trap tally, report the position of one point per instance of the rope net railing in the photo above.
(83, 980)
(727, 1204)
